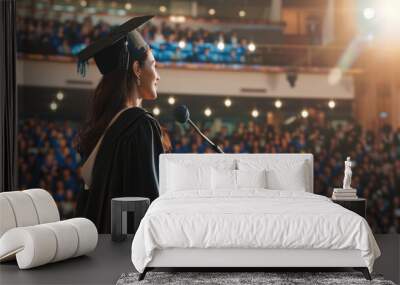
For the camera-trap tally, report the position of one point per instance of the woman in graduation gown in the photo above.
(122, 139)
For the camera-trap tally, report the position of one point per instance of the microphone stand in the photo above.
(215, 147)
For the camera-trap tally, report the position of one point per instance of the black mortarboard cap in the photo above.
(117, 49)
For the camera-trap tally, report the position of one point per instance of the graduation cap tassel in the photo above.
(82, 68)
(125, 55)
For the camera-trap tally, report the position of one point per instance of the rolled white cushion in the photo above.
(45, 205)
(7, 218)
(45, 243)
(66, 238)
(23, 208)
(87, 235)
(33, 246)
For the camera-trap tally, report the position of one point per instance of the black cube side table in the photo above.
(119, 208)
(358, 205)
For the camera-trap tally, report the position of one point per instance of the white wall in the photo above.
(194, 81)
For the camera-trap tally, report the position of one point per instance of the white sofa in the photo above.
(31, 231)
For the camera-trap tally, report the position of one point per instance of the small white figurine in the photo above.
(347, 174)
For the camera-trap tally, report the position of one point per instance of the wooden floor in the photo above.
(110, 260)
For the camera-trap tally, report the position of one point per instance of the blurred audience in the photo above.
(169, 44)
(48, 160)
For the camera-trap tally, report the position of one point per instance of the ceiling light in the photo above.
(60, 95)
(211, 12)
(156, 111)
(221, 45)
(128, 6)
(207, 112)
(228, 103)
(254, 113)
(251, 47)
(278, 104)
(242, 13)
(171, 100)
(331, 104)
(53, 106)
(182, 44)
(304, 113)
(163, 9)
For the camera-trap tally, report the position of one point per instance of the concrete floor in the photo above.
(110, 260)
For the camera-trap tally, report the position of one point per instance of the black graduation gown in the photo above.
(126, 165)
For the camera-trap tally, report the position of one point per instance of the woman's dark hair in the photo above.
(110, 96)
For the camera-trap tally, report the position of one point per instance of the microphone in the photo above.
(182, 115)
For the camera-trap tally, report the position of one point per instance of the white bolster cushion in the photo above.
(87, 235)
(46, 207)
(26, 208)
(66, 238)
(52, 242)
(33, 246)
(7, 218)
(23, 208)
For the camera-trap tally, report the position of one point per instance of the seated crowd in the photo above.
(48, 160)
(169, 44)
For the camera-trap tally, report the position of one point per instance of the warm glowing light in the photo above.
(121, 12)
(171, 100)
(211, 12)
(91, 10)
(369, 13)
(388, 11)
(53, 106)
(177, 19)
(331, 104)
(163, 9)
(207, 112)
(128, 6)
(60, 95)
(254, 113)
(383, 115)
(278, 104)
(228, 103)
(304, 113)
(182, 44)
(251, 47)
(335, 75)
(221, 45)
(156, 111)
(242, 13)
